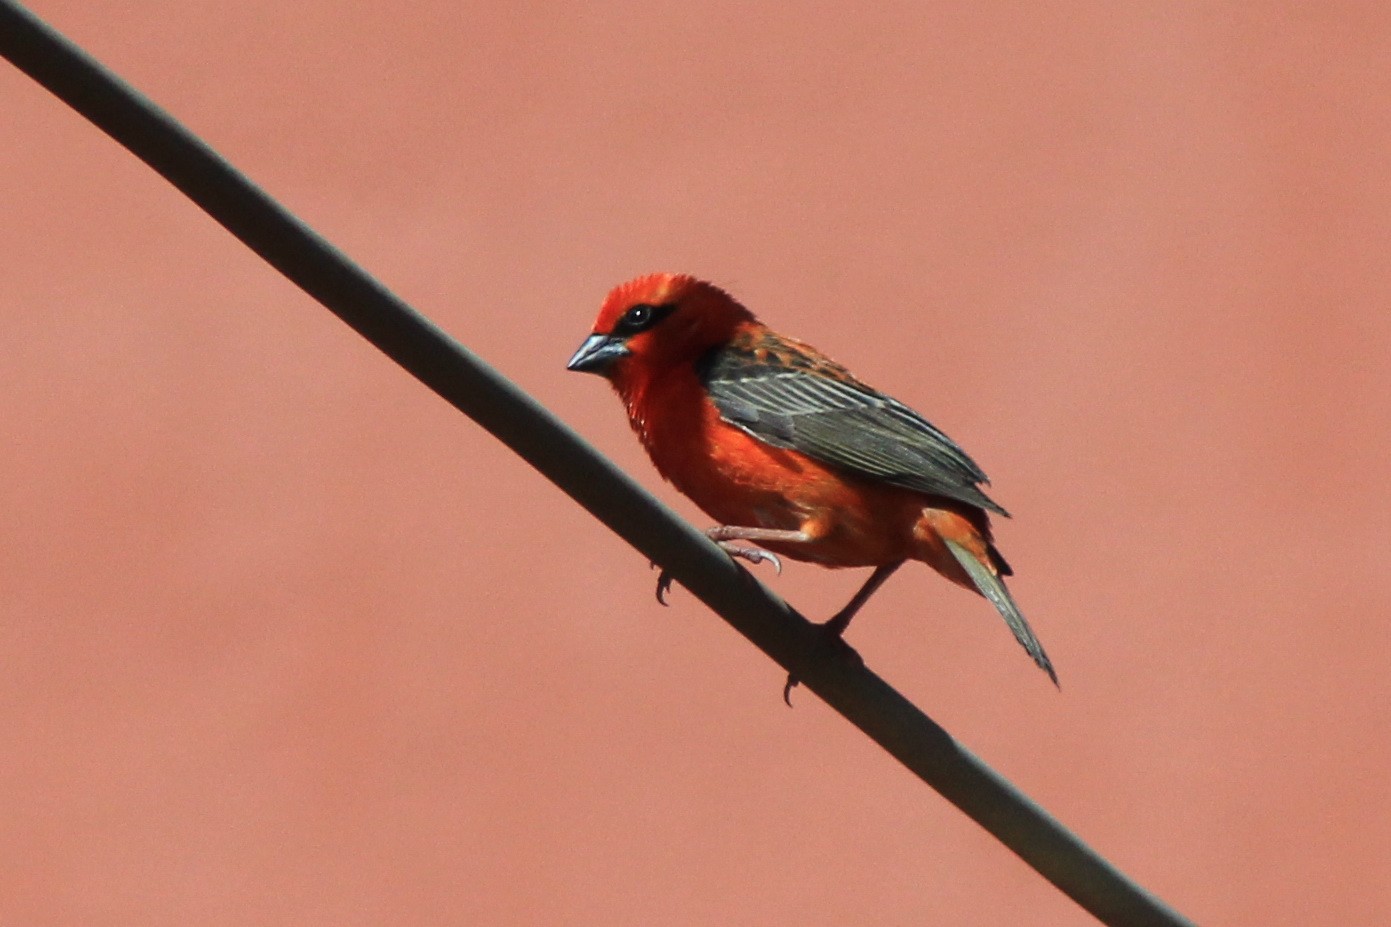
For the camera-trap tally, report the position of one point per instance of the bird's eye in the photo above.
(641, 317)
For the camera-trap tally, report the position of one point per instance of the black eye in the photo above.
(642, 317)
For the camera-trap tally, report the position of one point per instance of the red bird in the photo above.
(784, 448)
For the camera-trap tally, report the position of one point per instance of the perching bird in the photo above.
(784, 448)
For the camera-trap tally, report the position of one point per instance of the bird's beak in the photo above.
(598, 353)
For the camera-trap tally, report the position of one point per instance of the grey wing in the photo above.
(837, 420)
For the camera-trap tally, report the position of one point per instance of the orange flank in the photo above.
(787, 450)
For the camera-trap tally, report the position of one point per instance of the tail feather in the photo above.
(993, 588)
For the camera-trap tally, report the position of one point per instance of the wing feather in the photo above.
(817, 408)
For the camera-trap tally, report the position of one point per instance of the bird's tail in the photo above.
(993, 588)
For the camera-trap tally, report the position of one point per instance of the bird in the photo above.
(787, 450)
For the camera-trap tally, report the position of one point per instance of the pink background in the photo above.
(285, 639)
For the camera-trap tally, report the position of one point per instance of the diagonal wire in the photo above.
(562, 456)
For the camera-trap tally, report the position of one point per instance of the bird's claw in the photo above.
(835, 646)
(664, 580)
(792, 682)
(751, 554)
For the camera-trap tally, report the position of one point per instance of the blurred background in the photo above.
(285, 639)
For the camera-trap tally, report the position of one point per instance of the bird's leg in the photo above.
(835, 627)
(841, 619)
(726, 535)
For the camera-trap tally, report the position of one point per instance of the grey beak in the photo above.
(597, 353)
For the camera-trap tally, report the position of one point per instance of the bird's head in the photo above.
(656, 322)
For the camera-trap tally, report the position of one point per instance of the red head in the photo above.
(655, 323)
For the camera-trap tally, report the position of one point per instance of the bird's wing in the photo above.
(785, 394)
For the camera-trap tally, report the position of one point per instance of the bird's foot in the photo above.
(792, 683)
(751, 554)
(663, 584)
(830, 644)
